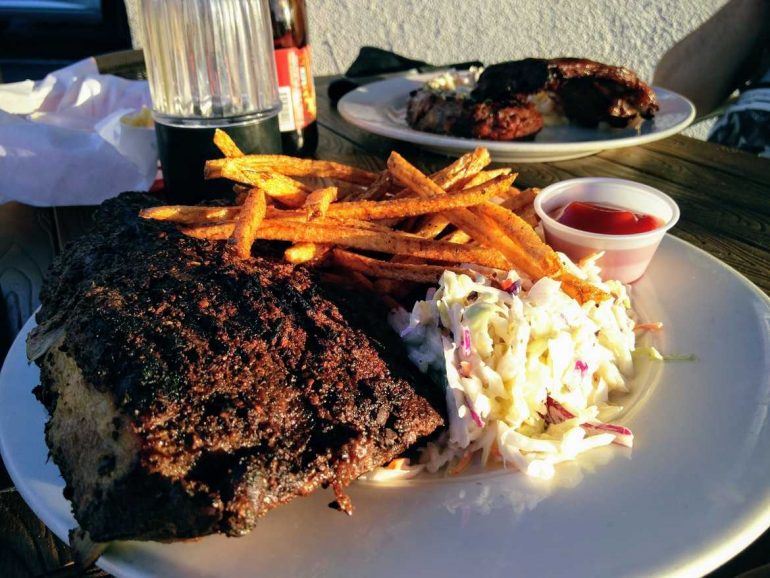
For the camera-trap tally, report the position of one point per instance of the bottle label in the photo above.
(295, 88)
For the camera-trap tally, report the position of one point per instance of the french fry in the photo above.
(457, 174)
(482, 177)
(432, 226)
(452, 200)
(528, 215)
(317, 203)
(218, 232)
(190, 215)
(240, 193)
(277, 214)
(251, 216)
(200, 215)
(358, 238)
(344, 190)
(390, 270)
(222, 230)
(463, 169)
(410, 176)
(581, 290)
(370, 225)
(496, 235)
(457, 236)
(226, 144)
(409, 207)
(377, 189)
(520, 200)
(288, 166)
(304, 252)
(486, 231)
(413, 179)
(284, 189)
(481, 224)
(531, 249)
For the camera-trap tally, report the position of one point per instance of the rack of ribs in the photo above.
(189, 393)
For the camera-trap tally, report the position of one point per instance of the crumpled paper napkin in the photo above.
(62, 141)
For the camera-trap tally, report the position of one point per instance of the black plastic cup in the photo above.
(184, 149)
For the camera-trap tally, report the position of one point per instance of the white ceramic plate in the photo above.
(694, 492)
(380, 108)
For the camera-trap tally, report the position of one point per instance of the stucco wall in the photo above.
(632, 33)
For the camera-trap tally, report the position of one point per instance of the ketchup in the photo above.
(605, 219)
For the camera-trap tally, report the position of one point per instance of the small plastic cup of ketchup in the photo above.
(624, 219)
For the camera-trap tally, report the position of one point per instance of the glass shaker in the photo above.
(210, 65)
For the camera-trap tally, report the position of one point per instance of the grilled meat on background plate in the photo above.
(511, 99)
(189, 393)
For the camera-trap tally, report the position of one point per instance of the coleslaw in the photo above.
(527, 370)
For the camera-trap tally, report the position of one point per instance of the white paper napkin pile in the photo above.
(62, 141)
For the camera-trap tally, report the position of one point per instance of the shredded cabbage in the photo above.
(527, 373)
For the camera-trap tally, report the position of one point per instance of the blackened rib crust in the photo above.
(241, 384)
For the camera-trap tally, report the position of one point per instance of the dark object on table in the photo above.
(184, 151)
(511, 99)
(745, 124)
(189, 394)
(372, 61)
(374, 64)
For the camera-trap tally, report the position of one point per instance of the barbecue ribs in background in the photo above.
(511, 99)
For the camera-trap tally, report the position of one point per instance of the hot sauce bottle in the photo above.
(297, 120)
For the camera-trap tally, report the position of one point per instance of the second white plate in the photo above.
(380, 108)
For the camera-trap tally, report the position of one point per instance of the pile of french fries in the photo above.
(377, 231)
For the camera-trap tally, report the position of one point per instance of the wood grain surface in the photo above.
(724, 196)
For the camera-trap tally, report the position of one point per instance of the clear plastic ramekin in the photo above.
(626, 257)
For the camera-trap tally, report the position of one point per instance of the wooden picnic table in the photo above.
(724, 196)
